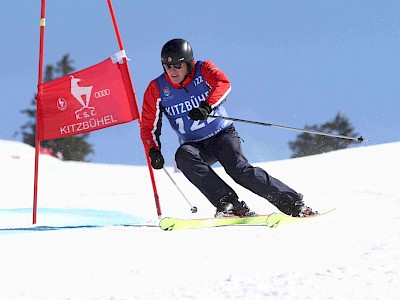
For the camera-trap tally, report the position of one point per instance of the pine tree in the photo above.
(72, 148)
(309, 144)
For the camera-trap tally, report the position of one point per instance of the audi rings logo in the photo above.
(102, 93)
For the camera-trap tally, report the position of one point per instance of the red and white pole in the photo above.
(40, 80)
(121, 47)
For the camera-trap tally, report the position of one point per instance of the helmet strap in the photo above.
(183, 80)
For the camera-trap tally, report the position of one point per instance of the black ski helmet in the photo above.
(177, 51)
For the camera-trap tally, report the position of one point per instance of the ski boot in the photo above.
(293, 206)
(229, 206)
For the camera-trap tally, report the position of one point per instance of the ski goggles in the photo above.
(176, 66)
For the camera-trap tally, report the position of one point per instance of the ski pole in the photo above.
(192, 208)
(359, 139)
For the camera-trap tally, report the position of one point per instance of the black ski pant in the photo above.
(194, 159)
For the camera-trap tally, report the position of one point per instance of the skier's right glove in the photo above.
(157, 160)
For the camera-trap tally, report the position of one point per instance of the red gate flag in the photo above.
(94, 98)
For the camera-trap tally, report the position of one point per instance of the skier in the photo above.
(187, 93)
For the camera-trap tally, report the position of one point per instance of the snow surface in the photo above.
(97, 234)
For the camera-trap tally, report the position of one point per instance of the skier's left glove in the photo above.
(201, 112)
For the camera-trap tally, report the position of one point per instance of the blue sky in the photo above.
(292, 63)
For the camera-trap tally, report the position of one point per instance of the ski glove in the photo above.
(201, 112)
(157, 160)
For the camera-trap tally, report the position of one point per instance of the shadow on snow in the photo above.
(12, 220)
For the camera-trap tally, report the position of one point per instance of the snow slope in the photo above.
(97, 234)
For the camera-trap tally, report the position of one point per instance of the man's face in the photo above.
(176, 72)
